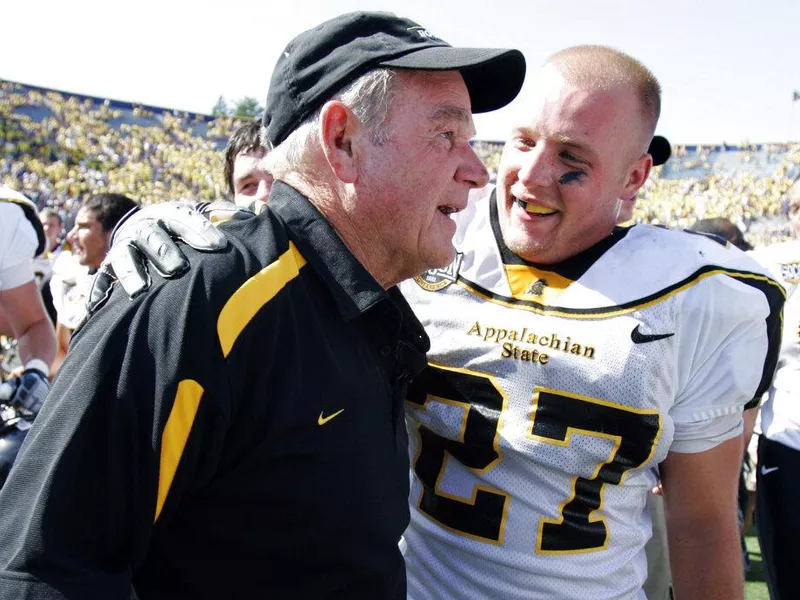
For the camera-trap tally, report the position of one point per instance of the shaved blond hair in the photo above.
(601, 67)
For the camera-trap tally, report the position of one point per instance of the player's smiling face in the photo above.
(563, 173)
(89, 241)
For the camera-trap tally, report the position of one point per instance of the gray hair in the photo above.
(369, 97)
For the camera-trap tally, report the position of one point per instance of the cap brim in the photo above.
(660, 150)
(493, 76)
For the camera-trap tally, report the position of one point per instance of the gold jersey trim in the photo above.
(174, 437)
(254, 293)
(761, 282)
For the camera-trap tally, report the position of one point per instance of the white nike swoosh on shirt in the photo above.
(768, 470)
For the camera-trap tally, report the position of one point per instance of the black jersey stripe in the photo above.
(761, 282)
(776, 296)
(254, 293)
(173, 438)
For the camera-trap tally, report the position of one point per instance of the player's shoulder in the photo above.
(13, 220)
(655, 262)
(19, 216)
(685, 251)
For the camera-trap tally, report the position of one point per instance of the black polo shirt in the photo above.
(234, 433)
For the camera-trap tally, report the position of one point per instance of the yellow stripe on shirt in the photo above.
(175, 434)
(254, 293)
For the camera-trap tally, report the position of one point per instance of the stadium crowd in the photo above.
(58, 148)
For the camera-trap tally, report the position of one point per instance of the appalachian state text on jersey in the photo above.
(551, 396)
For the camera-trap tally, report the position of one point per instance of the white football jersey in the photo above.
(18, 240)
(780, 414)
(549, 401)
(70, 286)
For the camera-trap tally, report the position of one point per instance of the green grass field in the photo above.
(755, 587)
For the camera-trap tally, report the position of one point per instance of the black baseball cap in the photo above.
(319, 62)
(660, 150)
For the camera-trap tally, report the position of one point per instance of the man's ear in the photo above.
(338, 128)
(637, 175)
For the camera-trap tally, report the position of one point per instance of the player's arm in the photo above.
(29, 323)
(63, 335)
(36, 342)
(729, 341)
(101, 470)
(702, 526)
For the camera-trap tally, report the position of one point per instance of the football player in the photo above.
(24, 316)
(778, 486)
(574, 360)
(89, 238)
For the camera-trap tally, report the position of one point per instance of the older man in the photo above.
(178, 462)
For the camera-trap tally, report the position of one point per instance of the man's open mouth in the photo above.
(534, 208)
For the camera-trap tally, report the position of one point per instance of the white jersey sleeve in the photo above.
(18, 244)
(70, 285)
(727, 346)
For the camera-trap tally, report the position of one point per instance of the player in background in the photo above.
(25, 319)
(777, 481)
(73, 271)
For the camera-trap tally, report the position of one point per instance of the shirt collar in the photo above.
(353, 288)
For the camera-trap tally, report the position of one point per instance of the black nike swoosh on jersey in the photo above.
(638, 337)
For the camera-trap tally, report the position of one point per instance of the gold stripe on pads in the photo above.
(254, 293)
(175, 434)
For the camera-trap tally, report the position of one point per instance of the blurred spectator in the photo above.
(72, 274)
(248, 183)
(723, 228)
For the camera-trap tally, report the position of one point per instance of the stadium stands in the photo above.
(57, 147)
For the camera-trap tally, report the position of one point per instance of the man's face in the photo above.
(52, 229)
(562, 174)
(89, 241)
(409, 186)
(250, 182)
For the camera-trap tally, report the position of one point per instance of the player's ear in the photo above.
(339, 128)
(638, 173)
